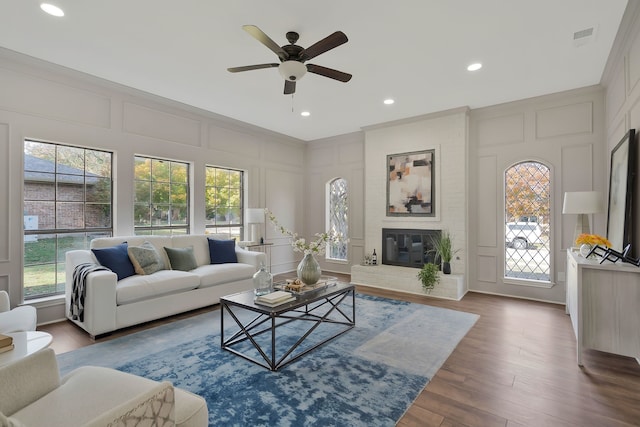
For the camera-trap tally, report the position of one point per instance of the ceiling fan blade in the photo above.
(327, 43)
(329, 72)
(251, 67)
(289, 87)
(259, 35)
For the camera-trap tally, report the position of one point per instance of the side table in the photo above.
(25, 343)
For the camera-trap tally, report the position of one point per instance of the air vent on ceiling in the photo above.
(584, 36)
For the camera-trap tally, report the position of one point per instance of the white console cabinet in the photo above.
(603, 301)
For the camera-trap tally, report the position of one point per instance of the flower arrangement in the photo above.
(316, 247)
(592, 239)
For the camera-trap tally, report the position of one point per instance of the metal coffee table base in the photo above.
(313, 311)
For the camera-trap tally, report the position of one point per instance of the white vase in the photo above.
(309, 271)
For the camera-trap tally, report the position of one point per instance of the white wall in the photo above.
(327, 159)
(621, 80)
(446, 132)
(45, 102)
(565, 131)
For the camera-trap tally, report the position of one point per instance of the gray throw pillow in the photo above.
(181, 258)
(145, 258)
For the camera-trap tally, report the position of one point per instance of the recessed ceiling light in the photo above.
(305, 114)
(474, 67)
(51, 9)
(389, 101)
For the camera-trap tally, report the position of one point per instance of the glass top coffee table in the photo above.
(273, 337)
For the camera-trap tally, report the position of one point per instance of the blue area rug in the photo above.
(367, 377)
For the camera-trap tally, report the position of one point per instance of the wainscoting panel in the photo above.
(501, 130)
(320, 156)
(233, 142)
(350, 153)
(4, 284)
(577, 175)
(5, 166)
(487, 204)
(157, 124)
(487, 268)
(615, 94)
(564, 120)
(633, 61)
(24, 93)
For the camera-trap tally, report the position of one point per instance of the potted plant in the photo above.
(429, 276)
(443, 249)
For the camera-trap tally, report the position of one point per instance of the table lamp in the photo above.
(582, 203)
(255, 216)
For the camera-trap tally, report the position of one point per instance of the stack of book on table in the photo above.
(6, 343)
(275, 298)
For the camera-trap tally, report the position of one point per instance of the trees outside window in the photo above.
(224, 201)
(527, 215)
(338, 218)
(67, 202)
(161, 204)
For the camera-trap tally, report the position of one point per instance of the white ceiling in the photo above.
(415, 51)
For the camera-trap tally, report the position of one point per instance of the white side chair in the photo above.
(20, 319)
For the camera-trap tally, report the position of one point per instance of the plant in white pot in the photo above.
(443, 249)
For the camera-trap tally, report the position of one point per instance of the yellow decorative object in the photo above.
(592, 239)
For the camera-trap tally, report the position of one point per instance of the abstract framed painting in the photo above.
(621, 189)
(411, 184)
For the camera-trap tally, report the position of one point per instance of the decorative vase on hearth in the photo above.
(309, 271)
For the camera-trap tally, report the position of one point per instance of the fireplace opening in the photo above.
(408, 247)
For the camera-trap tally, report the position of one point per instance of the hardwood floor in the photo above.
(516, 366)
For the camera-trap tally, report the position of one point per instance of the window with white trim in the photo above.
(161, 204)
(338, 218)
(67, 200)
(527, 214)
(224, 201)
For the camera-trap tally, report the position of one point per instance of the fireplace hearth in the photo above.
(408, 247)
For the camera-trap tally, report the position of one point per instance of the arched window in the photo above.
(337, 215)
(527, 197)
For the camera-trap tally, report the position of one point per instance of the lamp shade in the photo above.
(255, 216)
(582, 202)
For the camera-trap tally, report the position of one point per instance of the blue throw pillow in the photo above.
(116, 259)
(222, 251)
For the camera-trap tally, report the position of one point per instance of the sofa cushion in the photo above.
(181, 258)
(145, 258)
(222, 251)
(116, 259)
(163, 282)
(218, 274)
(199, 243)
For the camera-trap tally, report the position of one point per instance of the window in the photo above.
(161, 204)
(527, 214)
(223, 204)
(67, 202)
(338, 206)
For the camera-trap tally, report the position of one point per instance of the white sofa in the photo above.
(112, 304)
(34, 395)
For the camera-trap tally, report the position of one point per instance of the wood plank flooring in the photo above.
(516, 367)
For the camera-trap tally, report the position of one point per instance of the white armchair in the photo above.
(20, 319)
(33, 395)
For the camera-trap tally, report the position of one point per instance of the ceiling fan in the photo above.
(292, 57)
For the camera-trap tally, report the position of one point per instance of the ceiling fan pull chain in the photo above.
(292, 102)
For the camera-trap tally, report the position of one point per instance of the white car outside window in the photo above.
(522, 235)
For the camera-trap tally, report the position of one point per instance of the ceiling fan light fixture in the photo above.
(292, 70)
